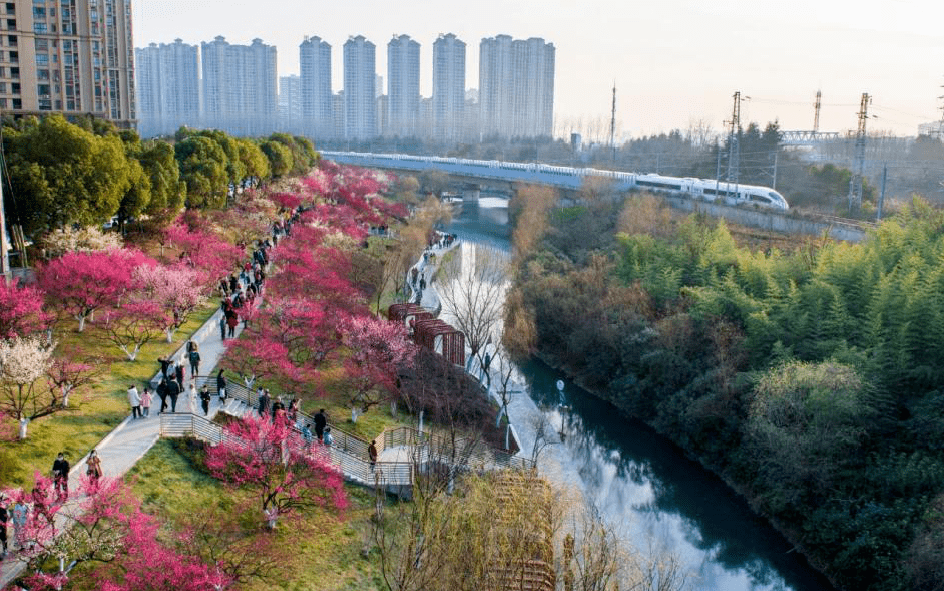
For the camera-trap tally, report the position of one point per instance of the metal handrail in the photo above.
(354, 467)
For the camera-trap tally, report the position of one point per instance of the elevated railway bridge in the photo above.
(476, 175)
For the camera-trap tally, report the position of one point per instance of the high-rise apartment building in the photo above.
(360, 70)
(168, 87)
(448, 87)
(516, 86)
(316, 95)
(240, 87)
(74, 57)
(290, 104)
(403, 86)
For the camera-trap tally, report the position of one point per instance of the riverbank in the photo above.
(797, 376)
(639, 479)
(750, 500)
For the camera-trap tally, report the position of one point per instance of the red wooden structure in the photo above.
(452, 341)
(409, 315)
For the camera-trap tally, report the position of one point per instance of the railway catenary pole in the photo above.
(819, 103)
(613, 127)
(734, 144)
(857, 180)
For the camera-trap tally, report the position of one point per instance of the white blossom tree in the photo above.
(23, 395)
(472, 289)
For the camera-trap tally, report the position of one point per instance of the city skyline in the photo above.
(673, 64)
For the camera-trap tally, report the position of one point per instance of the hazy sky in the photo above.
(674, 61)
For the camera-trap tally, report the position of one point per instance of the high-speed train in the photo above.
(565, 177)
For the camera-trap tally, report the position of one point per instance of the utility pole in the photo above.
(734, 141)
(940, 126)
(856, 182)
(819, 103)
(881, 198)
(718, 174)
(776, 161)
(613, 126)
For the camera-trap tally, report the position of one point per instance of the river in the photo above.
(642, 484)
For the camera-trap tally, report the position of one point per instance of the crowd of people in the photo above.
(45, 496)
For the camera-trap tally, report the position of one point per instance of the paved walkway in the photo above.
(121, 449)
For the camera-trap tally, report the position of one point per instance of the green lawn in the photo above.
(321, 552)
(76, 432)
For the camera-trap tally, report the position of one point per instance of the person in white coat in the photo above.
(134, 399)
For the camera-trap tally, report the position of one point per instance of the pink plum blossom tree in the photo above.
(259, 456)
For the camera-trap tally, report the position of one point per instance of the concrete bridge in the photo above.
(476, 176)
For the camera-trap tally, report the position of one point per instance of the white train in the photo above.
(565, 177)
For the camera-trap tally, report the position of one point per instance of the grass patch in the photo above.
(75, 432)
(322, 551)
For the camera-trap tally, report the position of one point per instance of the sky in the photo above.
(675, 63)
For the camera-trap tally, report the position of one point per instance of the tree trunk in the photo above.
(81, 322)
(23, 424)
(170, 334)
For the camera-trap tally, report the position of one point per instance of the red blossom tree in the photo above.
(252, 357)
(79, 283)
(133, 324)
(21, 311)
(108, 527)
(286, 200)
(71, 371)
(204, 251)
(377, 349)
(260, 456)
(175, 289)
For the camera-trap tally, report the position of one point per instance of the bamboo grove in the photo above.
(811, 380)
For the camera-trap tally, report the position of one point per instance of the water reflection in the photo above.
(637, 479)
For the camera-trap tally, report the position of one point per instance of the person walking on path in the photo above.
(328, 437)
(173, 390)
(165, 365)
(179, 372)
(93, 468)
(20, 515)
(321, 421)
(221, 386)
(278, 409)
(192, 397)
(205, 400)
(146, 402)
(134, 399)
(162, 393)
(306, 433)
(223, 327)
(232, 319)
(4, 518)
(60, 476)
(372, 453)
(263, 402)
(194, 357)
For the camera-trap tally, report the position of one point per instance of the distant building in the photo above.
(516, 86)
(425, 126)
(403, 81)
(383, 110)
(75, 58)
(290, 104)
(448, 88)
(168, 87)
(240, 82)
(338, 107)
(933, 129)
(316, 94)
(360, 71)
